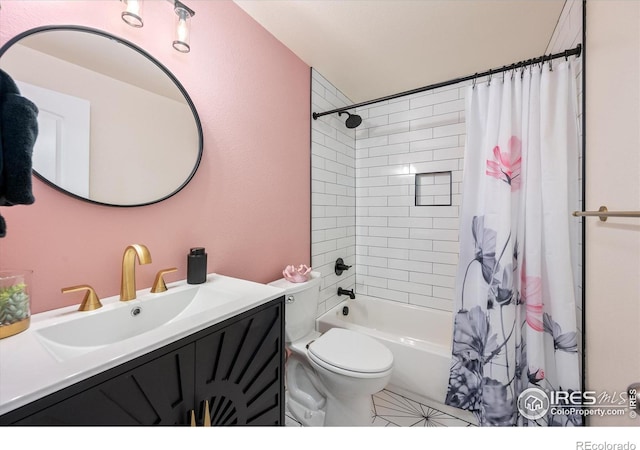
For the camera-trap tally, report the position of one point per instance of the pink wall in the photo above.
(248, 204)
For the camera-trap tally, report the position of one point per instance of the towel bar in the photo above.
(604, 213)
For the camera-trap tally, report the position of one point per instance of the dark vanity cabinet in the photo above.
(235, 367)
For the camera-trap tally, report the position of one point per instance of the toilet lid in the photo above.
(351, 351)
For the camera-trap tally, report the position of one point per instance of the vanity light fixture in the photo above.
(183, 24)
(132, 15)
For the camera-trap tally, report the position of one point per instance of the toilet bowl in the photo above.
(330, 377)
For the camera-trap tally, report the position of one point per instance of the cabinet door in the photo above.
(159, 392)
(239, 370)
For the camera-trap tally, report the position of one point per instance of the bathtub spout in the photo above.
(348, 292)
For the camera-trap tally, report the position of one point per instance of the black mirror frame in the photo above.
(166, 71)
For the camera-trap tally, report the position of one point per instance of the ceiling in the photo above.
(106, 56)
(373, 48)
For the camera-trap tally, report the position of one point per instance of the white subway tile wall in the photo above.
(333, 202)
(409, 253)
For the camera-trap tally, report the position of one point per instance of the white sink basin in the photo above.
(64, 346)
(118, 321)
(113, 323)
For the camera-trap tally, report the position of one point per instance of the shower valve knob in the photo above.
(341, 266)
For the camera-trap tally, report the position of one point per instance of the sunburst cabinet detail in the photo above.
(235, 368)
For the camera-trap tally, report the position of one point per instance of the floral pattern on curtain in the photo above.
(515, 320)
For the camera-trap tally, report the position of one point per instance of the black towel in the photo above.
(18, 133)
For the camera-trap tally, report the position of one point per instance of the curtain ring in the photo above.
(550, 64)
(489, 80)
(566, 55)
(504, 69)
(475, 77)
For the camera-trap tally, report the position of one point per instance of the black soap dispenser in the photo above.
(196, 266)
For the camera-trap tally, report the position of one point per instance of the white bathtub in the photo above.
(419, 338)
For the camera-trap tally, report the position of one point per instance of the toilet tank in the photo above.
(301, 305)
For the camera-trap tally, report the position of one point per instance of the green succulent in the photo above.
(14, 304)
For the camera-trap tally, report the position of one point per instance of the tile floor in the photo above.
(390, 409)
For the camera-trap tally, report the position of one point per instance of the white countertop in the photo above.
(29, 371)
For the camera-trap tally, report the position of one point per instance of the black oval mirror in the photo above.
(115, 126)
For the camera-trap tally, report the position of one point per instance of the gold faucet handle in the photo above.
(90, 301)
(159, 285)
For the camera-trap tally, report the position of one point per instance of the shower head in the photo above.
(352, 121)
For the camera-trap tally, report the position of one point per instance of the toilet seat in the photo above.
(350, 353)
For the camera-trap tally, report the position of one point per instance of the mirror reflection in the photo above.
(115, 126)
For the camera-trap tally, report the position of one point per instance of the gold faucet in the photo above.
(90, 301)
(128, 283)
(158, 284)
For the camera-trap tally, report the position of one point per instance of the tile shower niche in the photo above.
(433, 189)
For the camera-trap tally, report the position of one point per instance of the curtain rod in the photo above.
(541, 59)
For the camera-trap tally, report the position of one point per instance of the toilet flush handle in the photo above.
(290, 299)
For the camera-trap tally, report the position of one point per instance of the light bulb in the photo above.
(183, 30)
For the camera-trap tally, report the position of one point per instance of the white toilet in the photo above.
(330, 377)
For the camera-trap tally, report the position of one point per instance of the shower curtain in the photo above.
(515, 311)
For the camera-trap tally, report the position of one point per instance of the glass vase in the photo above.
(15, 301)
